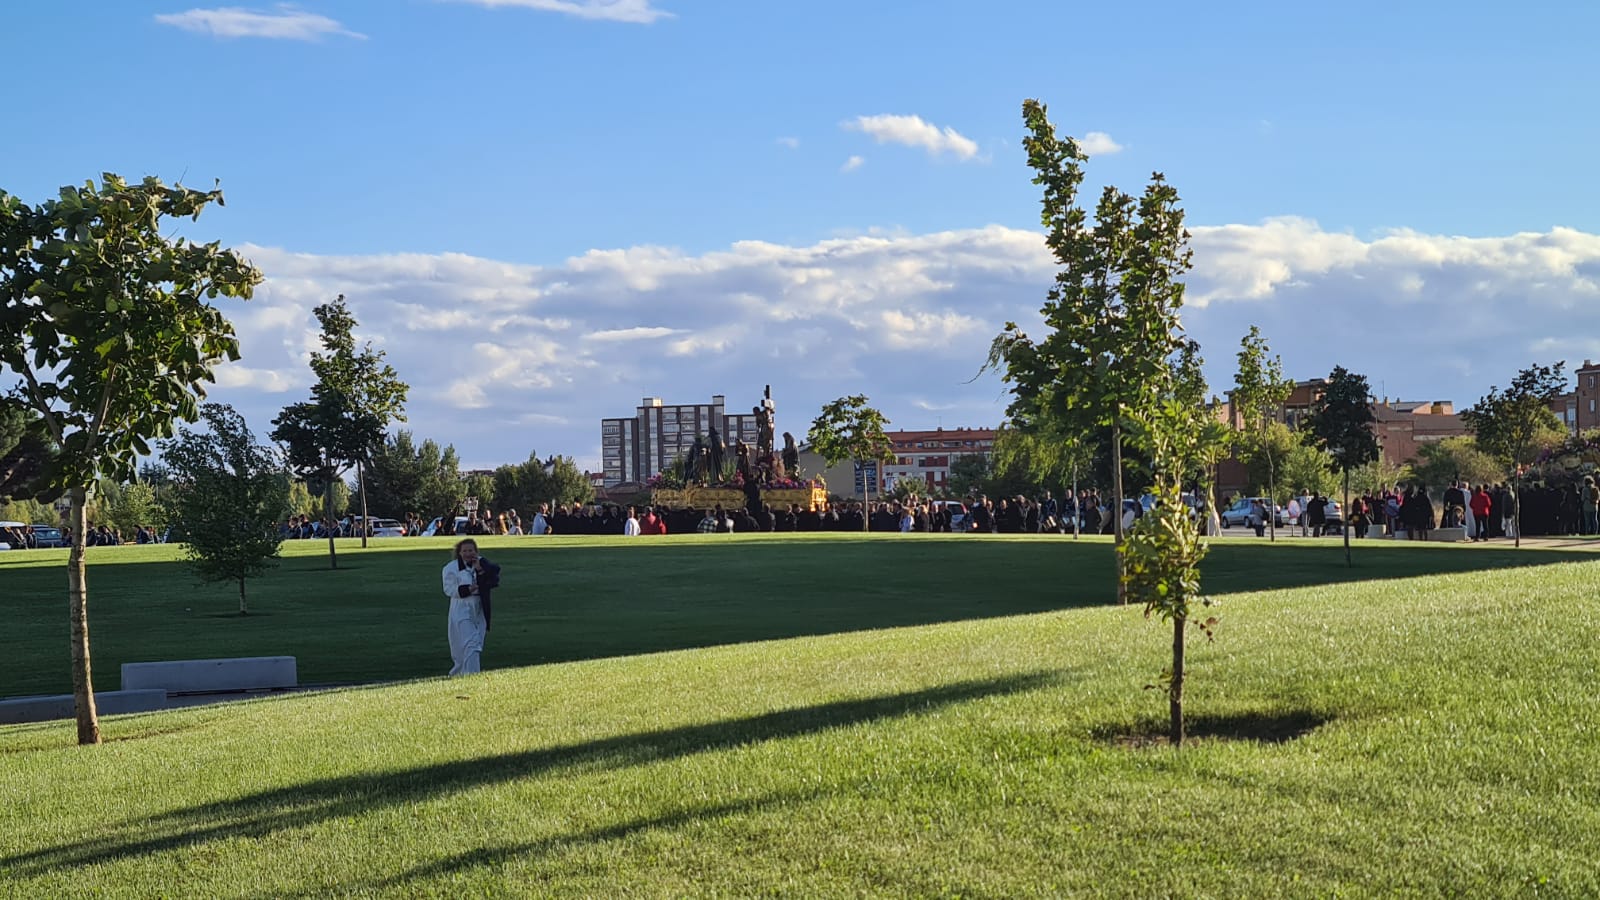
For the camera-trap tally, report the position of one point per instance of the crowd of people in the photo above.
(26, 537)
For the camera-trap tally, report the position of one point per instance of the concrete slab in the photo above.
(187, 676)
(18, 710)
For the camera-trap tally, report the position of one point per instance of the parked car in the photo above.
(1239, 512)
(7, 528)
(387, 528)
(48, 536)
(433, 526)
(958, 514)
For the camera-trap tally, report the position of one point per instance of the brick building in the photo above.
(924, 455)
(1577, 409)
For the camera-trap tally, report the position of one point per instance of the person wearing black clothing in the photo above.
(1317, 514)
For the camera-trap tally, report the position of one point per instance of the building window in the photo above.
(1591, 406)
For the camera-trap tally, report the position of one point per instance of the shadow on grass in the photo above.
(1258, 727)
(300, 805)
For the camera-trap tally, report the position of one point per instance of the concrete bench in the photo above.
(1455, 533)
(19, 710)
(198, 676)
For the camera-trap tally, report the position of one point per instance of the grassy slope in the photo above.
(1458, 755)
(380, 616)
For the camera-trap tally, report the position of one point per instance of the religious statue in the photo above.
(766, 423)
(741, 452)
(694, 461)
(718, 449)
(791, 456)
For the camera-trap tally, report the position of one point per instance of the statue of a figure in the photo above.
(741, 452)
(693, 462)
(766, 423)
(718, 449)
(791, 456)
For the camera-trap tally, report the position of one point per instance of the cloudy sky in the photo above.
(544, 210)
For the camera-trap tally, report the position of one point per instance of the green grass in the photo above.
(1433, 734)
(380, 616)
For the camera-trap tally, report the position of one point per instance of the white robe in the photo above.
(465, 626)
(1467, 518)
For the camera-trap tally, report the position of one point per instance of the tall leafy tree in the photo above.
(848, 428)
(1513, 424)
(104, 319)
(355, 397)
(1259, 391)
(229, 495)
(396, 474)
(1341, 425)
(1111, 318)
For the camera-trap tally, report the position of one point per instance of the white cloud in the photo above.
(1098, 143)
(793, 143)
(635, 11)
(912, 131)
(631, 334)
(288, 23)
(853, 163)
(505, 359)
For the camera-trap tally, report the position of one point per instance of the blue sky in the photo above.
(593, 202)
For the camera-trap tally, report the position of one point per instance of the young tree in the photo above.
(1259, 390)
(1512, 425)
(355, 398)
(106, 323)
(1341, 424)
(849, 429)
(1112, 315)
(129, 507)
(229, 496)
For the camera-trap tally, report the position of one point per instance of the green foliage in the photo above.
(30, 511)
(1309, 469)
(355, 397)
(26, 453)
(1341, 421)
(128, 507)
(848, 428)
(229, 497)
(105, 318)
(330, 501)
(970, 473)
(403, 477)
(1161, 559)
(1513, 425)
(480, 487)
(300, 501)
(1451, 459)
(526, 485)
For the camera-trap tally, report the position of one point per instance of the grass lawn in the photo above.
(901, 717)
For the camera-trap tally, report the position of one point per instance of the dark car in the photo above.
(45, 536)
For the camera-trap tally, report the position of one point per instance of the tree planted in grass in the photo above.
(1515, 423)
(1112, 315)
(1341, 424)
(1259, 391)
(1161, 557)
(105, 322)
(355, 398)
(229, 495)
(849, 429)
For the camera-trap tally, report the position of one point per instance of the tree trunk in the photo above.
(1344, 520)
(361, 485)
(78, 612)
(327, 515)
(1516, 511)
(1077, 514)
(1175, 694)
(1116, 507)
(244, 609)
(1272, 500)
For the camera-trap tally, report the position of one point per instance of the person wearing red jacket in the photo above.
(1481, 503)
